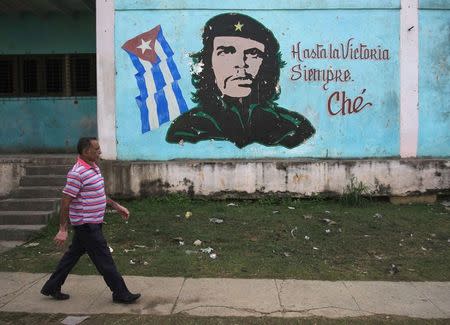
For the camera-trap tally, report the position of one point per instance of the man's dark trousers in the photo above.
(88, 238)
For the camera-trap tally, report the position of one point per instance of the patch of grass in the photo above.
(356, 193)
(36, 319)
(298, 239)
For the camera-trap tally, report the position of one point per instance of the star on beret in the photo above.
(238, 27)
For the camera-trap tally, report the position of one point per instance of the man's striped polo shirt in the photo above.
(86, 186)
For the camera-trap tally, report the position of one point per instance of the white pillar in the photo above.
(409, 78)
(106, 107)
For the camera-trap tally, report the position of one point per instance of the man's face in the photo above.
(236, 62)
(93, 152)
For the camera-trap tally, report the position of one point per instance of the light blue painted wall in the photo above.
(257, 4)
(434, 82)
(46, 124)
(374, 132)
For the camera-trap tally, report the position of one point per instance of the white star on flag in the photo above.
(144, 45)
(160, 99)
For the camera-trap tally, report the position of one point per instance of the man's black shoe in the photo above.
(127, 299)
(58, 295)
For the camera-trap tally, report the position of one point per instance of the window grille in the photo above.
(47, 75)
(83, 75)
(30, 76)
(54, 75)
(6, 76)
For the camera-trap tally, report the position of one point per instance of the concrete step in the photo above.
(38, 192)
(31, 170)
(25, 217)
(29, 204)
(6, 245)
(19, 232)
(43, 180)
(40, 159)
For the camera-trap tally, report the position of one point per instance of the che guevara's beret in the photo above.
(235, 24)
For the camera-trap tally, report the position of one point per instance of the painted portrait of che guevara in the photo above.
(237, 88)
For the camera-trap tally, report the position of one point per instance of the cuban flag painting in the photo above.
(160, 99)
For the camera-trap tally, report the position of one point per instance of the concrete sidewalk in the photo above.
(231, 297)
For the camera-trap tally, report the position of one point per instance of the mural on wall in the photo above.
(236, 78)
(160, 99)
(315, 83)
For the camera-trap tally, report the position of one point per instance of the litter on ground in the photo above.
(207, 250)
(74, 320)
(293, 230)
(31, 245)
(329, 221)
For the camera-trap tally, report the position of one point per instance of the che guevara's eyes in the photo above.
(221, 50)
(253, 53)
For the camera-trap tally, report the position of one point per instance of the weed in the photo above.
(356, 193)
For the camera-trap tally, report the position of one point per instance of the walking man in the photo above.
(83, 203)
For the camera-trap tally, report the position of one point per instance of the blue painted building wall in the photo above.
(372, 132)
(434, 79)
(46, 124)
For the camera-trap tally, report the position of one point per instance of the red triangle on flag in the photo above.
(143, 45)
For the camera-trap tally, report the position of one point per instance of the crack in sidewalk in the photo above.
(354, 299)
(178, 296)
(282, 311)
(279, 292)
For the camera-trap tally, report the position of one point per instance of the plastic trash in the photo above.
(74, 320)
(31, 245)
(293, 230)
(215, 220)
(393, 269)
(207, 250)
(329, 221)
(198, 242)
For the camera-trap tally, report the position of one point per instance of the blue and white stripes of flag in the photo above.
(160, 99)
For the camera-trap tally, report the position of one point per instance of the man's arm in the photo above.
(119, 208)
(62, 234)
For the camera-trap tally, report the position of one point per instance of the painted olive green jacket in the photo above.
(268, 125)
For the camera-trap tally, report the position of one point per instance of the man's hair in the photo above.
(264, 89)
(84, 143)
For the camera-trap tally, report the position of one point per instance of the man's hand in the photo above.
(122, 211)
(60, 237)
